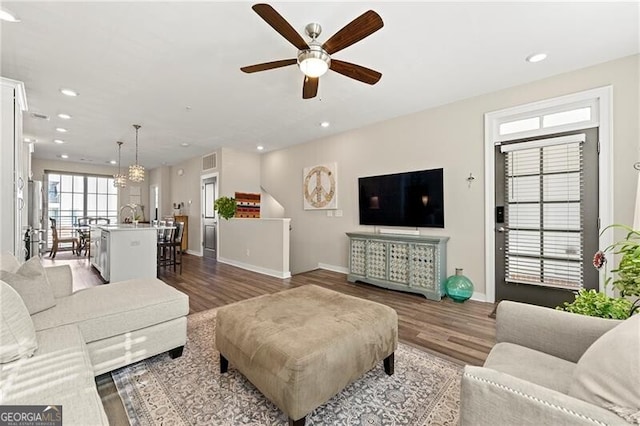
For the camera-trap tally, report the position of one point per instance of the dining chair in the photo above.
(176, 246)
(84, 235)
(56, 240)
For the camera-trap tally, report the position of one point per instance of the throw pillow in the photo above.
(8, 262)
(608, 373)
(17, 334)
(31, 283)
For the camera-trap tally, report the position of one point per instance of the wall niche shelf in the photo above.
(411, 263)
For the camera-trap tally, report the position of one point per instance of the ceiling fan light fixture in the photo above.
(314, 62)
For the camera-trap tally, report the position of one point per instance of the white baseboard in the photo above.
(479, 297)
(195, 253)
(254, 268)
(334, 268)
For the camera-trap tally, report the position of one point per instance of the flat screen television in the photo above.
(414, 199)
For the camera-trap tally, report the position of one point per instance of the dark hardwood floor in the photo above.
(462, 332)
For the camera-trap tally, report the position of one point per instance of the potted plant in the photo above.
(226, 207)
(625, 279)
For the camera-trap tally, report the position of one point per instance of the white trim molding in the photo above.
(254, 268)
(334, 268)
(602, 100)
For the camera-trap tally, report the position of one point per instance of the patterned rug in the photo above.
(189, 390)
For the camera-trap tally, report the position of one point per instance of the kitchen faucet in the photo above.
(134, 212)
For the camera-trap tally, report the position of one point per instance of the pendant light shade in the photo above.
(119, 180)
(136, 171)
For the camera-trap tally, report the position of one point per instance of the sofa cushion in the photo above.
(112, 309)
(31, 283)
(8, 262)
(17, 335)
(608, 374)
(530, 365)
(59, 373)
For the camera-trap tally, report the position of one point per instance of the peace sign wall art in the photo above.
(320, 187)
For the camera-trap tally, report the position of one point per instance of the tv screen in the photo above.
(403, 199)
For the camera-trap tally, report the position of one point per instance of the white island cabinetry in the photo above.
(124, 252)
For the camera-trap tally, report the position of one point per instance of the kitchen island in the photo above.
(125, 251)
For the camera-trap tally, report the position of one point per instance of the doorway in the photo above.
(589, 109)
(209, 219)
(546, 217)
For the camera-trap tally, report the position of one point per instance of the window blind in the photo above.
(544, 212)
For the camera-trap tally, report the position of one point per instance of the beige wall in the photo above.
(450, 136)
(186, 189)
(161, 177)
(39, 166)
(242, 243)
(240, 172)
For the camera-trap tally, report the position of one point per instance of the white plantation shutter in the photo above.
(544, 211)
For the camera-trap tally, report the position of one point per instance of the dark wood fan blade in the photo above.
(279, 24)
(361, 27)
(268, 65)
(310, 87)
(356, 72)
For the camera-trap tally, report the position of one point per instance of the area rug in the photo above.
(425, 390)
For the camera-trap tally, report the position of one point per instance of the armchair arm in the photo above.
(60, 279)
(562, 334)
(491, 398)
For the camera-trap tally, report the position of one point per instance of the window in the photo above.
(567, 118)
(544, 212)
(72, 196)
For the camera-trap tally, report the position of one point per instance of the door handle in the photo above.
(500, 229)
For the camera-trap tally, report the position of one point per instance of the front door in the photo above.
(546, 217)
(209, 219)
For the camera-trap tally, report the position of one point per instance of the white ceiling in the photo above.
(145, 62)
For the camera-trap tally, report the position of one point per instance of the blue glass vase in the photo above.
(458, 287)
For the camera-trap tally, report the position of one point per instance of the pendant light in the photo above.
(136, 171)
(119, 180)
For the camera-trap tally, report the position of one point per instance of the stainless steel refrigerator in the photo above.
(35, 237)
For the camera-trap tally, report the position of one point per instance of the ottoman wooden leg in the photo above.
(224, 364)
(389, 364)
(299, 422)
(176, 352)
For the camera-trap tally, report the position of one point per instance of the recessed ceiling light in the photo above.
(7, 16)
(325, 124)
(184, 144)
(65, 156)
(536, 57)
(260, 147)
(68, 92)
(113, 162)
(61, 130)
(58, 141)
(64, 116)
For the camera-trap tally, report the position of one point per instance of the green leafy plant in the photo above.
(596, 304)
(625, 279)
(627, 274)
(226, 207)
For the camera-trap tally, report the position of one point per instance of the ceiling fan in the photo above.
(314, 59)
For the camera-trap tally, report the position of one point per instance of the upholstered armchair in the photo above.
(552, 367)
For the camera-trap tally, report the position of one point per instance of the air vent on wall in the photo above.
(39, 116)
(209, 162)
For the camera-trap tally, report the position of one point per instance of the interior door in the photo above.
(546, 217)
(209, 219)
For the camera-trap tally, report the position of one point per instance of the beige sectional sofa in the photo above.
(86, 333)
(552, 367)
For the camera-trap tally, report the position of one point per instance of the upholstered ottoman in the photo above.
(302, 346)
